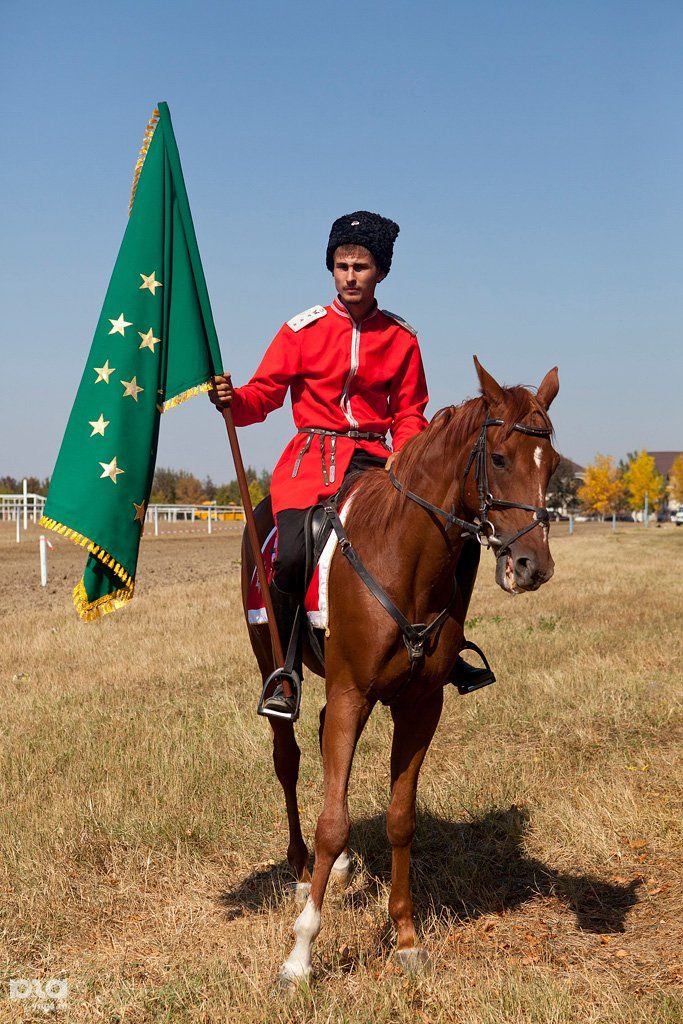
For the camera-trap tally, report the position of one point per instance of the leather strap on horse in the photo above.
(450, 518)
(484, 530)
(414, 634)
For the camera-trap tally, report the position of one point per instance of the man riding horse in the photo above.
(355, 372)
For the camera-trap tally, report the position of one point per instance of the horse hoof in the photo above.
(341, 870)
(412, 960)
(302, 891)
(289, 980)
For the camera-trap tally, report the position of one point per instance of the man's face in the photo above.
(356, 275)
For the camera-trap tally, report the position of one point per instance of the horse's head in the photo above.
(515, 462)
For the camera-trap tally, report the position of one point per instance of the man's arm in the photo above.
(408, 397)
(267, 389)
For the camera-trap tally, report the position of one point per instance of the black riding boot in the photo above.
(285, 607)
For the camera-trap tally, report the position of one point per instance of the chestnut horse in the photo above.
(483, 468)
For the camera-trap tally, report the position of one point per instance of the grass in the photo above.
(142, 830)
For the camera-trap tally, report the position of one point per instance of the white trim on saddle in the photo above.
(320, 617)
(316, 601)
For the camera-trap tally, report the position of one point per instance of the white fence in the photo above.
(23, 506)
(20, 508)
(193, 513)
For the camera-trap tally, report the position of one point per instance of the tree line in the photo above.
(170, 487)
(607, 486)
(180, 487)
(610, 487)
(34, 485)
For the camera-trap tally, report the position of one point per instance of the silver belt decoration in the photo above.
(355, 435)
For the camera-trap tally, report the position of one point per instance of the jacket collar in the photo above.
(339, 308)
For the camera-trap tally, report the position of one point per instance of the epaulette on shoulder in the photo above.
(307, 317)
(401, 321)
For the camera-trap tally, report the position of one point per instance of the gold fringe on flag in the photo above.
(89, 610)
(149, 132)
(184, 395)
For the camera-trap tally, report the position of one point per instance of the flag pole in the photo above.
(252, 533)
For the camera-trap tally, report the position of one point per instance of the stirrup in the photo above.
(485, 675)
(269, 686)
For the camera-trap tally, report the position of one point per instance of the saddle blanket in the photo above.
(316, 602)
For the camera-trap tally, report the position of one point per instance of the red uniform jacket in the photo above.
(343, 376)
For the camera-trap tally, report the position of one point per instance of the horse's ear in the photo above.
(548, 388)
(490, 388)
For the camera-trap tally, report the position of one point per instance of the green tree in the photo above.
(164, 487)
(563, 487)
(228, 494)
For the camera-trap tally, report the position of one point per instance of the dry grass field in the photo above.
(142, 828)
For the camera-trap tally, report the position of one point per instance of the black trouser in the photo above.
(290, 564)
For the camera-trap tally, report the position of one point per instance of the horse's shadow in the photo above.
(462, 869)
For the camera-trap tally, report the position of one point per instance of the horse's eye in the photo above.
(498, 460)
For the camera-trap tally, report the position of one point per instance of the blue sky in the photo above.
(531, 153)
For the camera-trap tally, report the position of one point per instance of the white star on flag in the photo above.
(148, 340)
(131, 389)
(104, 372)
(149, 281)
(119, 325)
(99, 425)
(111, 470)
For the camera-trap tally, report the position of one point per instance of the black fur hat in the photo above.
(376, 234)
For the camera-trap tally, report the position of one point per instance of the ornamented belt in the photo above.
(355, 435)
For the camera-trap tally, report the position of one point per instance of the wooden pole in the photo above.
(252, 533)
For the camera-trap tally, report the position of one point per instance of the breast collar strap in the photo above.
(484, 530)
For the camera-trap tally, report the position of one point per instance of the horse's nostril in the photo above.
(522, 565)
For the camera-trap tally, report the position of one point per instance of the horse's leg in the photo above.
(414, 727)
(286, 753)
(344, 721)
(466, 571)
(341, 869)
(286, 757)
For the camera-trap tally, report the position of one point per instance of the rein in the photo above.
(478, 459)
(415, 634)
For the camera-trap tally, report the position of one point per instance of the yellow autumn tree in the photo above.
(676, 479)
(602, 488)
(641, 478)
(255, 492)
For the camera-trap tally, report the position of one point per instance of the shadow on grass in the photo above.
(464, 869)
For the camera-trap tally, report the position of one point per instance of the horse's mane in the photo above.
(376, 500)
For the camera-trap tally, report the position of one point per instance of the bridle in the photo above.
(415, 635)
(483, 529)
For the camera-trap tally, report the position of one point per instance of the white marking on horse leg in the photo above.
(412, 960)
(341, 868)
(297, 966)
(302, 891)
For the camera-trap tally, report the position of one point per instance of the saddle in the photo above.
(318, 526)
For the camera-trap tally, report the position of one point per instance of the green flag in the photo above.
(155, 346)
